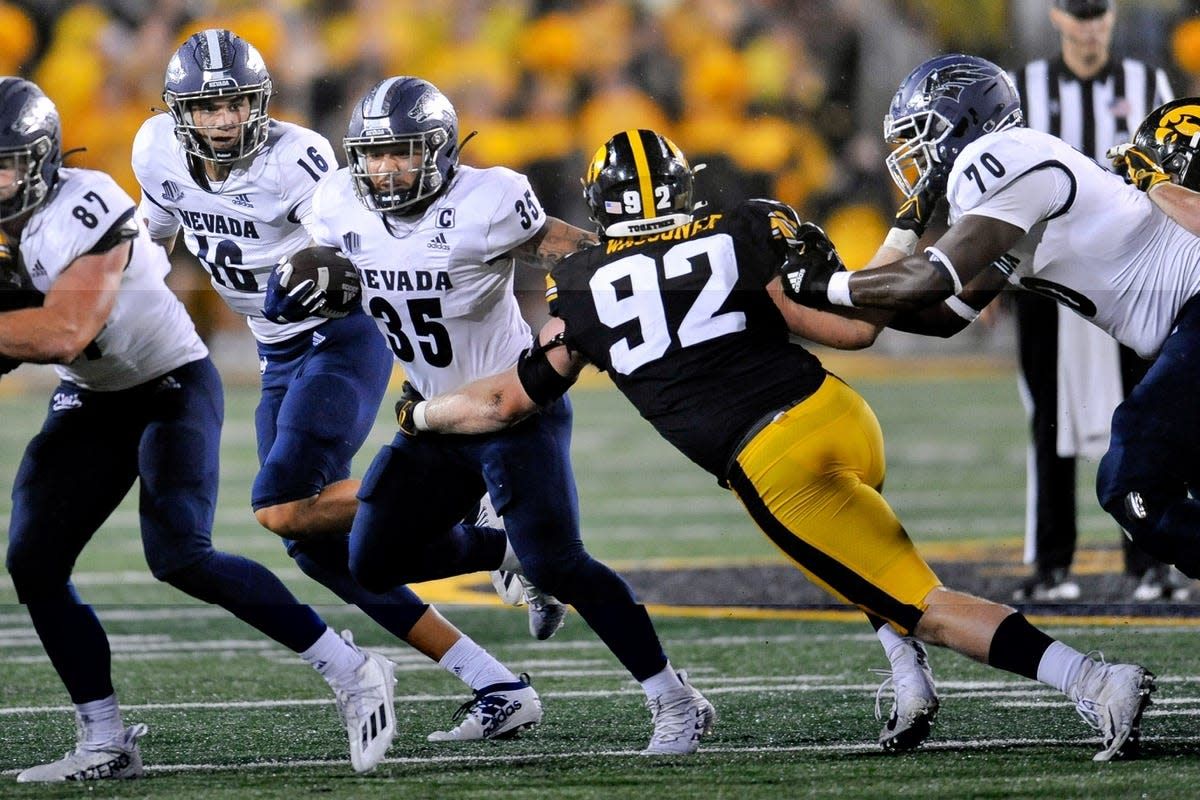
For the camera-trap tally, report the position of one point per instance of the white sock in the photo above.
(474, 666)
(335, 658)
(664, 681)
(101, 721)
(1060, 667)
(889, 639)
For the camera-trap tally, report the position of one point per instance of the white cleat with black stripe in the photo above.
(367, 707)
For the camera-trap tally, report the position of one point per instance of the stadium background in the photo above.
(781, 99)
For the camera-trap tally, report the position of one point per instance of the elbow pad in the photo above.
(539, 378)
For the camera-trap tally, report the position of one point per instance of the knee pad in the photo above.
(570, 576)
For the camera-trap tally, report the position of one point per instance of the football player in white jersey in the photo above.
(139, 401)
(1026, 208)
(240, 185)
(433, 243)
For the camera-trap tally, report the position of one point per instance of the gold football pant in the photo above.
(810, 480)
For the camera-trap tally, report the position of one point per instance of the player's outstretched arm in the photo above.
(554, 242)
(925, 279)
(844, 329)
(75, 309)
(500, 401)
(1179, 203)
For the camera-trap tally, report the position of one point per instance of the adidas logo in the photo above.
(439, 243)
(242, 200)
(317, 338)
(374, 725)
(499, 716)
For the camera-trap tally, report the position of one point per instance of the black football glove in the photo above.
(409, 397)
(286, 303)
(810, 263)
(1139, 166)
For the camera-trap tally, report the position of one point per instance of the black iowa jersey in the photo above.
(683, 325)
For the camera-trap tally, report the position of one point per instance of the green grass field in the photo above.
(232, 715)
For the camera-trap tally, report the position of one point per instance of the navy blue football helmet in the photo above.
(1171, 134)
(216, 64)
(638, 183)
(412, 118)
(942, 106)
(30, 144)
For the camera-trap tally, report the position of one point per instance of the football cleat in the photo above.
(1162, 582)
(1054, 585)
(914, 698)
(114, 760)
(546, 612)
(367, 707)
(1111, 698)
(499, 711)
(681, 717)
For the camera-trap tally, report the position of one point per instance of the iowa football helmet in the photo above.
(411, 117)
(942, 106)
(639, 182)
(216, 64)
(30, 145)
(1171, 134)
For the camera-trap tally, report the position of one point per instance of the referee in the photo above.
(1072, 374)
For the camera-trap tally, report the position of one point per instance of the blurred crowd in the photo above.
(781, 99)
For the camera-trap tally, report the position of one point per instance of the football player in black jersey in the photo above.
(687, 315)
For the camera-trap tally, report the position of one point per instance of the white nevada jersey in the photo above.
(434, 283)
(1093, 243)
(240, 229)
(148, 332)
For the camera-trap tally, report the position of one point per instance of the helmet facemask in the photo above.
(395, 194)
(195, 138)
(915, 159)
(30, 189)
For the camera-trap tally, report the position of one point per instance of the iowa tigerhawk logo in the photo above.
(1178, 123)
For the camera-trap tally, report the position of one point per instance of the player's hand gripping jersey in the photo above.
(148, 332)
(435, 283)
(240, 228)
(1094, 244)
(681, 323)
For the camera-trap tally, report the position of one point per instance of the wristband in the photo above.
(938, 257)
(901, 239)
(962, 309)
(838, 290)
(418, 416)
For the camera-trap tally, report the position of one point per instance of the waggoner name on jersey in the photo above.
(675, 234)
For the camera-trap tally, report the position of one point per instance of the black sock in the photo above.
(1018, 647)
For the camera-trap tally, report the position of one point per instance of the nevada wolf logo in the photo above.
(948, 83)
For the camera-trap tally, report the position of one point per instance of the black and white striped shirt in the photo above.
(1091, 115)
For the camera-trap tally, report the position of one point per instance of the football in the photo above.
(333, 274)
